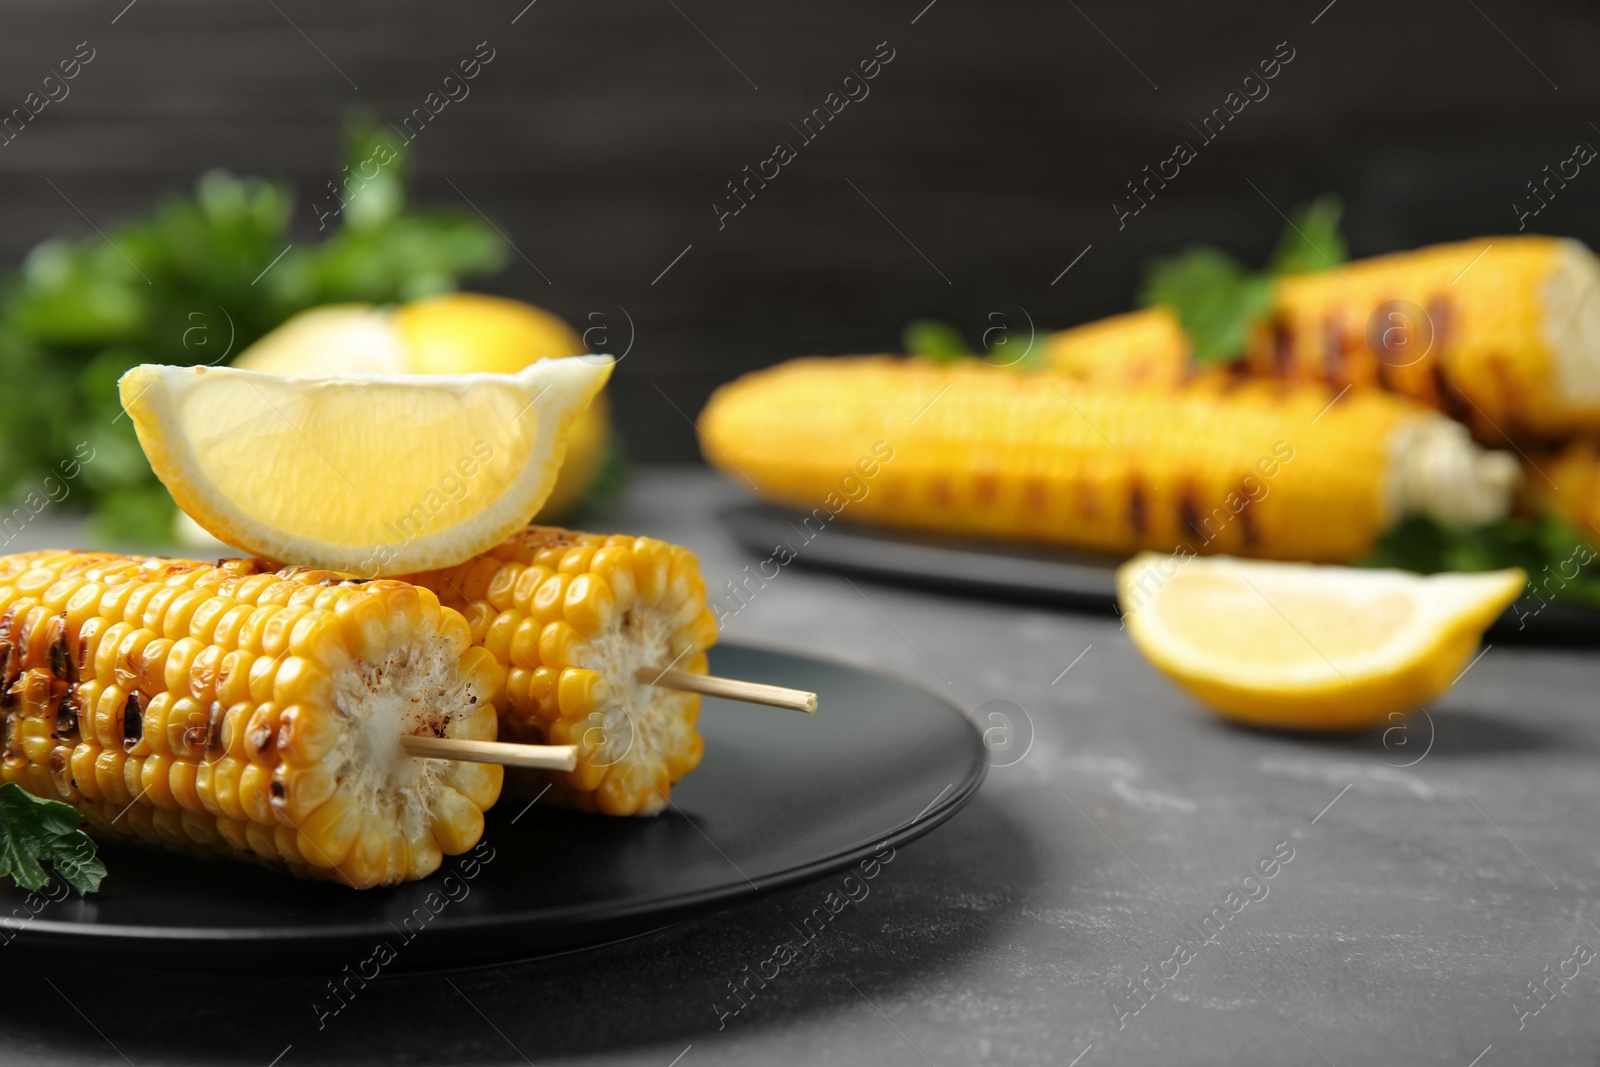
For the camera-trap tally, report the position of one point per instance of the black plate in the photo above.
(780, 798)
(1085, 580)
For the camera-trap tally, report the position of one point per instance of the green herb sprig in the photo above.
(197, 280)
(34, 832)
(1219, 301)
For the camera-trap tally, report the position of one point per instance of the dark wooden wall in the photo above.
(995, 142)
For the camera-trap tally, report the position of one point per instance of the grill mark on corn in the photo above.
(1282, 331)
(132, 721)
(1247, 522)
(986, 488)
(1451, 401)
(1136, 509)
(13, 655)
(67, 712)
(1442, 314)
(1035, 494)
(1509, 394)
(61, 664)
(1335, 350)
(1189, 514)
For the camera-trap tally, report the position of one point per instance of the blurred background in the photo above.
(583, 163)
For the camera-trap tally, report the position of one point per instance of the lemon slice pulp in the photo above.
(1307, 647)
(369, 474)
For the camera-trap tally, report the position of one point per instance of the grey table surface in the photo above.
(1423, 882)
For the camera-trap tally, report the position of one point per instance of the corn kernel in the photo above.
(589, 605)
(306, 735)
(550, 600)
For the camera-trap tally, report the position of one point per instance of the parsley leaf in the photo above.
(935, 340)
(1216, 299)
(1219, 301)
(1557, 558)
(34, 831)
(1312, 242)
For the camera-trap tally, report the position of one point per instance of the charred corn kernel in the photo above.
(1499, 333)
(193, 706)
(261, 735)
(307, 734)
(568, 618)
(298, 791)
(1248, 468)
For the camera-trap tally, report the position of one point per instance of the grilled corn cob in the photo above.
(572, 618)
(1146, 346)
(1568, 482)
(1500, 333)
(235, 710)
(1250, 468)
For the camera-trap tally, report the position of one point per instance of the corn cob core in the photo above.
(1249, 468)
(1507, 342)
(236, 710)
(571, 617)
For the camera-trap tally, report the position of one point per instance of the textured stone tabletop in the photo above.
(1144, 885)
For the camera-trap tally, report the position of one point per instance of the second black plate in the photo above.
(1084, 580)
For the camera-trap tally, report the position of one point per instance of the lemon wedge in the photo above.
(1306, 647)
(455, 333)
(370, 474)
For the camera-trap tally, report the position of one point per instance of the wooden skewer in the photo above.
(538, 757)
(751, 692)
